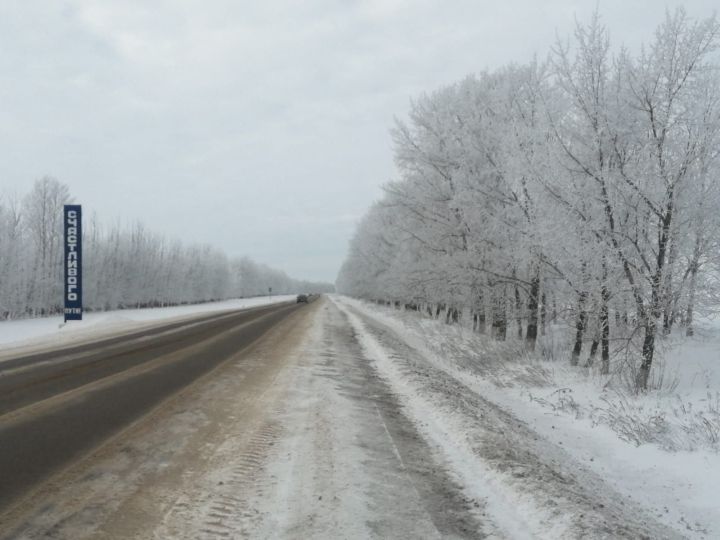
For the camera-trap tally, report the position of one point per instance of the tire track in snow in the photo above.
(407, 474)
(226, 500)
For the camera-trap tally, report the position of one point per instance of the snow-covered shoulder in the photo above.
(672, 474)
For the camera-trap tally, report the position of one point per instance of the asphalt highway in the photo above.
(55, 406)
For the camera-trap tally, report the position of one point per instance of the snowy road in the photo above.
(331, 426)
(58, 404)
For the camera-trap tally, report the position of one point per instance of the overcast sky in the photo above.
(260, 127)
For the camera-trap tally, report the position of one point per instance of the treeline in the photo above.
(583, 188)
(124, 267)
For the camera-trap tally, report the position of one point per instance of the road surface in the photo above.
(296, 425)
(56, 405)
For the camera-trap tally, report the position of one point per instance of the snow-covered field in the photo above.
(50, 331)
(658, 451)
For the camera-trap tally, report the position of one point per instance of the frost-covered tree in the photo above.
(123, 266)
(587, 183)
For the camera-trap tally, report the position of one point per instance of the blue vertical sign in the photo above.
(73, 262)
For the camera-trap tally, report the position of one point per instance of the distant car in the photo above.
(302, 298)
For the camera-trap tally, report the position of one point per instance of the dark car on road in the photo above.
(302, 298)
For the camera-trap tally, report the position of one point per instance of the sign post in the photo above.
(72, 226)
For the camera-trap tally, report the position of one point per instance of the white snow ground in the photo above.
(50, 331)
(674, 479)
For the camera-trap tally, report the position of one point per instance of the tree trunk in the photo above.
(518, 313)
(605, 329)
(690, 330)
(499, 315)
(531, 334)
(593, 351)
(694, 266)
(648, 351)
(667, 319)
(657, 300)
(667, 289)
(480, 313)
(543, 314)
(579, 329)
